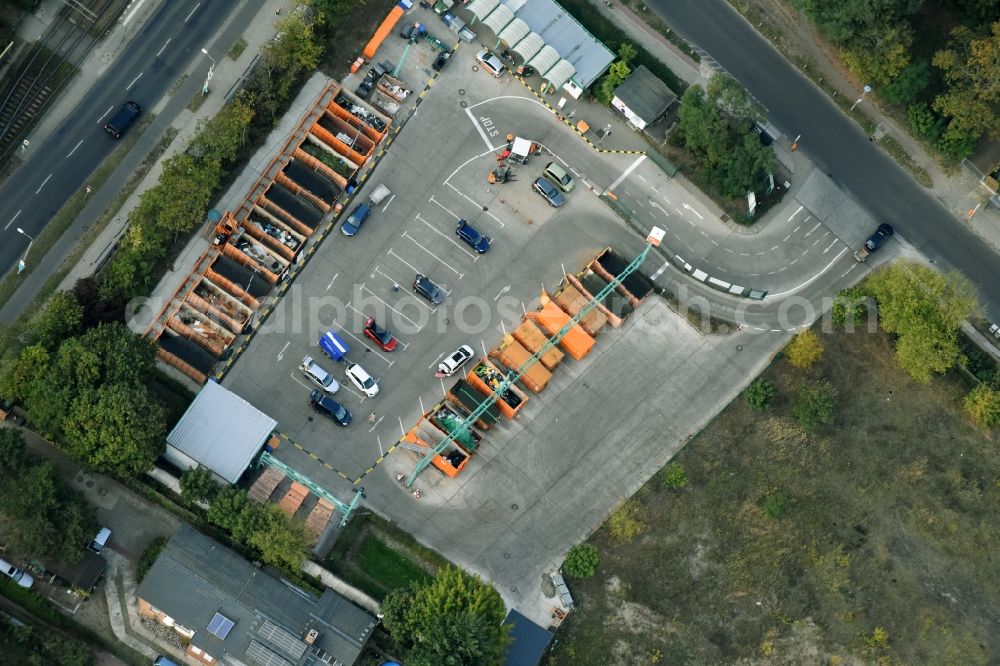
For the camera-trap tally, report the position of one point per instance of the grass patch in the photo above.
(196, 101)
(867, 542)
(899, 154)
(389, 567)
(239, 46)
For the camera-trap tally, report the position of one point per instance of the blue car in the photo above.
(355, 219)
(545, 187)
(477, 241)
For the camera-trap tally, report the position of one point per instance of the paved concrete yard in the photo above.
(538, 484)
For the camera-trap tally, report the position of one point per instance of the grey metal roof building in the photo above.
(220, 431)
(241, 614)
(574, 55)
(642, 97)
(528, 640)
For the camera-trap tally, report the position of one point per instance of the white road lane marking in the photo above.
(332, 281)
(70, 153)
(110, 109)
(188, 17)
(12, 220)
(162, 48)
(830, 246)
(281, 354)
(792, 216)
(479, 128)
(813, 229)
(43, 183)
(853, 266)
(693, 211)
(129, 86)
(813, 278)
(662, 209)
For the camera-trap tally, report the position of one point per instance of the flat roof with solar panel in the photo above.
(220, 626)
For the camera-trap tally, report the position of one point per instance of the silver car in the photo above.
(455, 360)
(315, 373)
(490, 63)
(559, 176)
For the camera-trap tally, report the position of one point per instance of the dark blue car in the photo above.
(477, 241)
(355, 219)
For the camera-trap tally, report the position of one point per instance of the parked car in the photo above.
(441, 61)
(19, 576)
(878, 239)
(329, 408)
(455, 360)
(490, 63)
(362, 380)
(426, 288)
(559, 177)
(380, 336)
(315, 373)
(477, 241)
(100, 541)
(355, 219)
(123, 119)
(549, 192)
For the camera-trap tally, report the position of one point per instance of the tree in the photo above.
(617, 73)
(455, 619)
(844, 21)
(813, 407)
(280, 540)
(983, 405)
(222, 137)
(908, 84)
(881, 54)
(674, 477)
(850, 306)
(198, 485)
(924, 309)
(59, 317)
(582, 561)
(972, 100)
(759, 394)
(116, 428)
(226, 510)
(924, 123)
(805, 349)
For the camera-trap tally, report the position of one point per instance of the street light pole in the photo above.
(211, 70)
(867, 90)
(20, 264)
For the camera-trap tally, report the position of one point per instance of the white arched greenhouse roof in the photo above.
(482, 8)
(544, 59)
(528, 47)
(514, 32)
(560, 73)
(498, 19)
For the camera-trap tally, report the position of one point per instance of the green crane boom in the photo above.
(549, 344)
(345, 509)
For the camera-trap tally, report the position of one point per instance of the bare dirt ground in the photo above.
(886, 523)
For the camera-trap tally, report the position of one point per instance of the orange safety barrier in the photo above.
(383, 31)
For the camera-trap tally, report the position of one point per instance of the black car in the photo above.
(441, 60)
(477, 241)
(123, 119)
(878, 239)
(329, 407)
(426, 288)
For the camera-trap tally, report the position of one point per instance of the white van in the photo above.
(19, 576)
(100, 541)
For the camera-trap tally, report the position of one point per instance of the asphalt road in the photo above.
(143, 72)
(834, 142)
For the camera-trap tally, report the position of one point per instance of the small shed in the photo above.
(528, 640)
(643, 98)
(85, 574)
(220, 431)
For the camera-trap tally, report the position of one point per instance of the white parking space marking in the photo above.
(343, 385)
(70, 154)
(332, 281)
(443, 207)
(392, 308)
(375, 425)
(444, 391)
(404, 345)
(410, 292)
(402, 430)
(386, 206)
(364, 343)
(300, 382)
(474, 257)
(483, 343)
(381, 453)
(477, 204)
(435, 363)
(441, 261)
(422, 410)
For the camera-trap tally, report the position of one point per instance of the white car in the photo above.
(455, 360)
(315, 373)
(362, 380)
(100, 541)
(19, 576)
(490, 63)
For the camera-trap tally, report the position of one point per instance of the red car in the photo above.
(380, 336)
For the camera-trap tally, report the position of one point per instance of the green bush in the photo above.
(813, 407)
(148, 557)
(759, 394)
(673, 477)
(582, 561)
(627, 521)
(776, 504)
(983, 405)
(850, 308)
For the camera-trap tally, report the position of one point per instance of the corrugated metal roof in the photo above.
(514, 32)
(645, 95)
(222, 431)
(498, 19)
(562, 32)
(560, 73)
(528, 47)
(482, 8)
